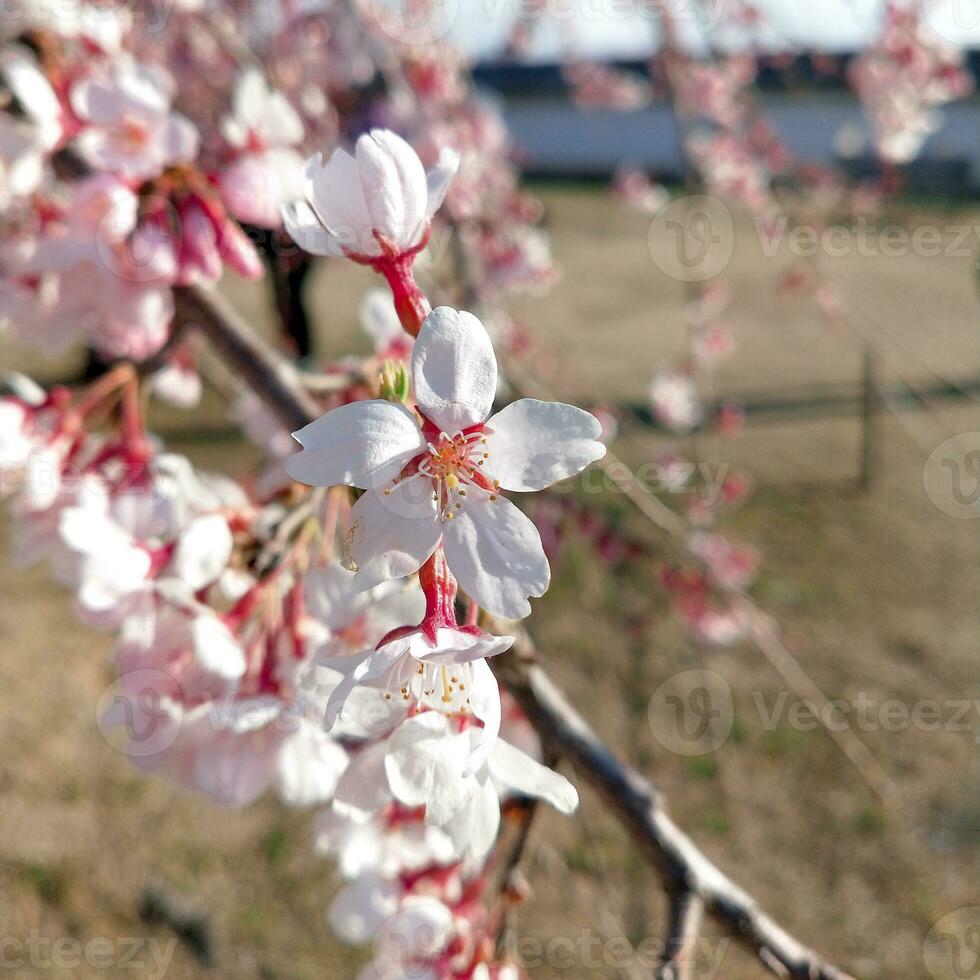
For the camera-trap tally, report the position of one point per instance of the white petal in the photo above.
(363, 444)
(281, 124)
(84, 530)
(439, 178)
(495, 553)
(533, 444)
(394, 184)
(474, 828)
(363, 788)
(421, 929)
(360, 909)
(235, 770)
(454, 369)
(177, 140)
(306, 229)
(365, 668)
(331, 596)
(334, 191)
(392, 536)
(310, 763)
(485, 701)
(522, 773)
(425, 766)
(455, 647)
(203, 551)
(379, 319)
(216, 649)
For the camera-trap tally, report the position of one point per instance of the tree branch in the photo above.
(685, 871)
(258, 365)
(636, 802)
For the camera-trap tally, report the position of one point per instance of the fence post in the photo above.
(870, 404)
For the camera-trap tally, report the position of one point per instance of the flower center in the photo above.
(434, 686)
(134, 134)
(452, 463)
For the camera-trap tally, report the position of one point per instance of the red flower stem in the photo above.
(411, 304)
(439, 588)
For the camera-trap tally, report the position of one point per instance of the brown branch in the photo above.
(637, 804)
(246, 354)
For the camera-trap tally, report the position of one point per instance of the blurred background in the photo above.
(856, 425)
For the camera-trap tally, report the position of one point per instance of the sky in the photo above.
(613, 28)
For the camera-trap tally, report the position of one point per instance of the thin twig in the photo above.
(246, 353)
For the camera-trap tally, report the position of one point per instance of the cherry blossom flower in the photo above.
(634, 187)
(449, 675)
(263, 128)
(428, 763)
(436, 476)
(27, 137)
(675, 401)
(732, 566)
(388, 843)
(234, 751)
(379, 199)
(132, 131)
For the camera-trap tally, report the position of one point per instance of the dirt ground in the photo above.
(875, 590)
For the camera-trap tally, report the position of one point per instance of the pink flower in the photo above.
(267, 172)
(436, 476)
(132, 131)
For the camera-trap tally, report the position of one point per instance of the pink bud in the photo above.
(198, 247)
(238, 251)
